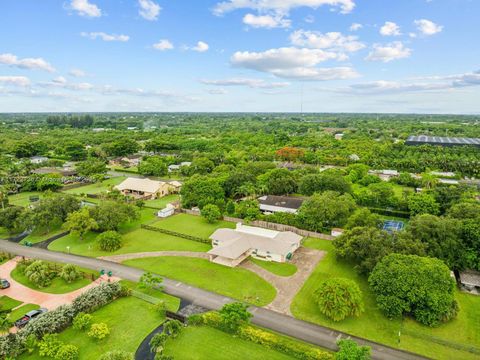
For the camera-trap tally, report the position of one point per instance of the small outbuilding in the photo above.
(285, 204)
(470, 281)
(169, 210)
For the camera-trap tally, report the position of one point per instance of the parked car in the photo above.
(4, 284)
(31, 315)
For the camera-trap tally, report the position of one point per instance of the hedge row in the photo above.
(265, 338)
(177, 234)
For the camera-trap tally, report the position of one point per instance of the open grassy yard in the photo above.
(162, 202)
(280, 269)
(373, 325)
(206, 343)
(22, 310)
(237, 283)
(58, 285)
(96, 188)
(129, 319)
(7, 303)
(23, 198)
(39, 236)
(191, 225)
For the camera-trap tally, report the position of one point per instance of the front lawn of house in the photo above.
(280, 269)
(373, 325)
(237, 283)
(192, 225)
(96, 188)
(129, 320)
(160, 203)
(23, 198)
(206, 343)
(7, 303)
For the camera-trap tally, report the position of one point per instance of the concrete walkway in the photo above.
(123, 257)
(22, 293)
(305, 260)
(312, 333)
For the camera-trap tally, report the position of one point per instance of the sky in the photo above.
(393, 56)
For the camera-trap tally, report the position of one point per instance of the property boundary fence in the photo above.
(174, 233)
(147, 298)
(468, 348)
(268, 225)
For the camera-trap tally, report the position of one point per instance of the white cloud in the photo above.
(389, 52)
(163, 45)
(427, 27)
(332, 40)
(355, 27)
(390, 29)
(105, 36)
(280, 6)
(251, 83)
(149, 10)
(309, 19)
(201, 47)
(425, 84)
(61, 82)
(77, 73)
(217, 91)
(266, 21)
(26, 63)
(21, 81)
(85, 8)
(293, 63)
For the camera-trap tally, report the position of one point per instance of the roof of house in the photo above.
(175, 183)
(425, 139)
(281, 201)
(235, 242)
(470, 277)
(144, 185)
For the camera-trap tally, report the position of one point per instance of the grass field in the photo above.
(23, 198)
(58, 285)
(39, 236)
(280, 269)
(162, 202)
(4, 234)
(7, 303)
(191, 225)
(129, 319)
(373, 325)
(206, 343)
(237, 283)
(96, 188)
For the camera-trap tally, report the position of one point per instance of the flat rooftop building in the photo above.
(442, 141)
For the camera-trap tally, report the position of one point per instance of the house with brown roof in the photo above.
(144, 188)
(232, 246)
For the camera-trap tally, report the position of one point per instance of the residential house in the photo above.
(126, 161)
(144, 188)
(38, 159)
(232, 246)
(177, 167)
(385, 175)
(285, 204)
(175, 186)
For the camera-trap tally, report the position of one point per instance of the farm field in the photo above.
(373, 325)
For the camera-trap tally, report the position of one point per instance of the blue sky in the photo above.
(240, 55)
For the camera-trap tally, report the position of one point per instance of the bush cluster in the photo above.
(41, 273)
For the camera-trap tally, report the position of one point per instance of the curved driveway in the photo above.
(285, 324)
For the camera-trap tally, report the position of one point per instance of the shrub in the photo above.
(49, 345)
(30, 343)
(82, 321)
(116, 355)
(173, 328)
(97, 297)
(39, 273)
(350, 350)
(67, 352)
(211, 213)
(157, 343)
(338, 298)
(234, 315)
(109, 241)
(99, 331)
(51, 322)
(160, 308)
(70, 273)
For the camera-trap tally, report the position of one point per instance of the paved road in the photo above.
(287, 325)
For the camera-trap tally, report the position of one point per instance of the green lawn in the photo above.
(237, 283)
(58, 285)
(23, 198)
(4, 234)
(162, 202)
(373, 325)
(129, 319)
(96, 188)
(206, 343)
(281, 269)
(7, 303)
(22, 310)
(191, 225)
(39, 236)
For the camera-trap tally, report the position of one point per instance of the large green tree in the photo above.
(200, 191)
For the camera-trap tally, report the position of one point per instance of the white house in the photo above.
(38, 159)
(232, 246)
(336, 232)
(273, 204)
(143, 188)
